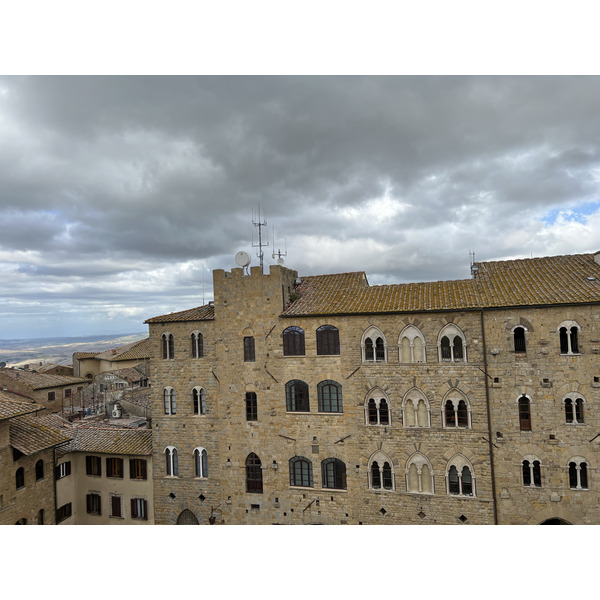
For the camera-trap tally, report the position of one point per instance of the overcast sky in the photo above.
(119, 195)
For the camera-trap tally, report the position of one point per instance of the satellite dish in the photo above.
(280, 261)
(242, 258)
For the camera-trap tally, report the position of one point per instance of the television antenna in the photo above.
(260, 224)
(279, 254)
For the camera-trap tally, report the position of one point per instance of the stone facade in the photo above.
(450, 447)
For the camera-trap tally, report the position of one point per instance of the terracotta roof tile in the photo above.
(33, 433)
(200, 313)
(133, 351)
(113, 441)
(39, 381)
(11, 407)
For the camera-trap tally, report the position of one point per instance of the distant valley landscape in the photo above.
(59, 350)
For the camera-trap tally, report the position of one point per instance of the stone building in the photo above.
(28, 441)
(57, 393)
(90, 364)
(326, 400)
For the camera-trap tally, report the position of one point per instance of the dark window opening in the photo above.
(197, 345)
(114, 467)
(20, 478)
(329, 396)
(137, 468)
(115, 506)
(93, 504)
(296, 395)
(39, 470)
(93, 466)
(199, 401)
(301, 472)
(519, 338)
(293, 341)
(251, 407)
(333, 474)
(254, 478)
(64, 512)
(328, 340)
(249, 355)
(524, 414)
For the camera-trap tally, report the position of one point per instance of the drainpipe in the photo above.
(489, 419)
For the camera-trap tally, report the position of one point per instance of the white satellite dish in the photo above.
(242, 258)
(280, 261)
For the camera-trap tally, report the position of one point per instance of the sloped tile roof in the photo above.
(129, 374)
(200, 313)
(78, 355)
(39, 381)
(525, 282)
(33, 433)
(140, 397)
(105, 440)
(134, 351)
(11, 407)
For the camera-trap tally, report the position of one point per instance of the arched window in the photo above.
(296, 396)
(578, 473)
(329, 395)
(39, 470)
(254, 478)
(381, 472)
(419, 475)
(328, 340)
(172, 461)
(574, 409)
(197, 344)
(199, 401)
(532, 471)
(293, 341)
(452, 345)
(524, 413)
(333, 474)
(40, 517)
(20, 478)
(201, 462)
(301, 473)
(460, 480)
(519, 339)
(415, 409)
(412, 345)
(568, 334)
(374, 346)
(457, 410)
(377, 408)
(187, 517)
(169, 400)
(168, 346)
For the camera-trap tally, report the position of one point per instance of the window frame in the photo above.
(167, 346)
(200, 462)
(374, 347)
(198, 401)
(138, 469)
(197, 340)
(424, 485)
(329, 404)
(254, 474)
(292, 403)
(525, 422)
(251, 406)
(249, 349)
(328, 340)
(170, 400)
(20, 478)
(114, 467)
(449, 353)
(139, 508)
(39, 470)
(381, 474)
(460, 486)
(519, 341)
(63, 470)
(93, 465)
(116, 500)
(411, 333)
(93, 502)
(569, 338)
(294, 341)
(172, 461)
(301, 472)
(64, 512)
(333, 471)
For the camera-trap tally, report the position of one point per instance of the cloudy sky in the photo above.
(119, 195)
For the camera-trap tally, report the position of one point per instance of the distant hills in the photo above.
(59, 350)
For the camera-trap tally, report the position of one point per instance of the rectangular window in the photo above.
(139, 509)
(64, 512)
(137, 468)
(63, 470)
(116, 506)
(114, 467)
(93, 502)
(249, 349)
(93, 466)
(51, 396)
(68, 393)
(251, 407)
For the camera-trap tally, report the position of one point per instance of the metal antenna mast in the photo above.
(260, 224)
(279, 254)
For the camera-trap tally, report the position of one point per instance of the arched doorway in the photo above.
(187, 517)
(555, 521)
(22, 521)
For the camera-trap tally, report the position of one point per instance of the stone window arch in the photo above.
(460, 477)
(419, 474)
(254, 476)
(187, 517)
(456, 410)
(531, 467)
(170, 402)
(524, 404)
(568, 333)
(377, 408)
(296, 396)
(452, 344)
(579, 469)
(519, 334)
(333, 474)
(574, 413)
(301, 472)
(172, 461)
(411, 345)
(199, 400)
(201, 462)
(381, 474)
(168, 345)
(415, 409)
(373, 345)
(329, 394)
(197, 344)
